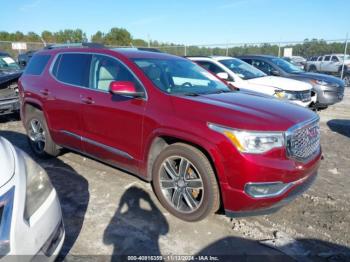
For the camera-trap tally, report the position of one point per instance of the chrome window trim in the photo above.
(88, 88)
(288, 134)
(113, 150)
(6, 201)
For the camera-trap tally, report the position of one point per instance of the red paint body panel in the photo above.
(132, 124)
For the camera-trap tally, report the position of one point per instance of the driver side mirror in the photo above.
(224, 76)
(124, 88)
(275, 73)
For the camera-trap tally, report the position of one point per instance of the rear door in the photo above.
(112, 124)
(70, 76)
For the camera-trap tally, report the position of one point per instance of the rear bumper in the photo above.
(8, 106)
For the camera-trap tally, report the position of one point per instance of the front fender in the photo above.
(210, 149)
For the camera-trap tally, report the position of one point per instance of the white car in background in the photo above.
(246, 77)
(30, 212)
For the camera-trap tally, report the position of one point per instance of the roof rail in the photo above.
(148, 49)
(206, 56)
(70, 45)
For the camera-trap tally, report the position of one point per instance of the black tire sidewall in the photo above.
(50, 147)
(208, 197)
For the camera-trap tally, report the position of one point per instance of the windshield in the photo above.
(242, 69)
(7, 62)
(286, 66)
(178, 76)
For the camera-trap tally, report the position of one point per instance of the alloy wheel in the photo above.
(181, 184)
(37, 135)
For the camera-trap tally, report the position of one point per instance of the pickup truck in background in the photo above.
(328, 63)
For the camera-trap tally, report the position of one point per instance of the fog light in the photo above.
(260, 190)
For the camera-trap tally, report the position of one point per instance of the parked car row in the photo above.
(178, 123)
(202, 144)
(246, 77)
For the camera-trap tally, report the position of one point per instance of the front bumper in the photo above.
(328, 95)
(301, 103)
(237, 170)
(292, 194)
(7, 106)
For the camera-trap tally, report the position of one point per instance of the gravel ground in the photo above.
(109, 212)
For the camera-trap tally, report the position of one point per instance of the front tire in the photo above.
(185, 183)
(39, 137)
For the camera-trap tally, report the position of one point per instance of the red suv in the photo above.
(167, 120)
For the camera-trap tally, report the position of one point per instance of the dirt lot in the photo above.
(107, 211)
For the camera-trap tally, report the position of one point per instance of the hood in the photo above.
(306, 76)
(8, 75)
(282, 83)
(242, 111)
(7, 161)
(246, 86)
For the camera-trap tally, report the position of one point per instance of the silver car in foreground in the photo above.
(30, 213)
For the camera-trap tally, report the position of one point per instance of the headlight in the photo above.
(286, 95)
(251, 142)
(39, 187)
(319, 82)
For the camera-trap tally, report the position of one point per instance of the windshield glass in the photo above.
(7, 62)
(178, 76)
(286, 66)
(242, 69)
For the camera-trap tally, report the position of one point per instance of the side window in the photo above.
(335, 59)
(320, 58)
(211, 67)
(327, 58)
(72, 68)
(105, 69)
(37, 64)
(263, 66)
(249, 61)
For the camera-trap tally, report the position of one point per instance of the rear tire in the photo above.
(185, 183)
(39, 137)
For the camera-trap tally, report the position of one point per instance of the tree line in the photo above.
(122, 37)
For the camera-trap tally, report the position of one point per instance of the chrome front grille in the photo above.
(303, 140)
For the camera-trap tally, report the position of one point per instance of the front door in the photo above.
(112, 124)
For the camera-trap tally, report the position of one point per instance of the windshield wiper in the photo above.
(190, 94)
(219, 92)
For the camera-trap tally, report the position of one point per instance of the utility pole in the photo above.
(345, 51)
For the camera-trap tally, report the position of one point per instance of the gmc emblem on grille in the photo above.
(313, 132)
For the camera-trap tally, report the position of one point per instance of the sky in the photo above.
(185, 22)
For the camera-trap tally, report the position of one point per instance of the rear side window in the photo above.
(73, 69)
(327, 58)
(37, 64)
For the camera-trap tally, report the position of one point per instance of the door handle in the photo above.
(87, 100)
(44, 92)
